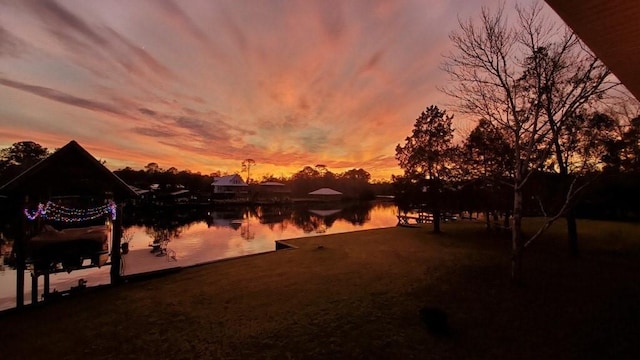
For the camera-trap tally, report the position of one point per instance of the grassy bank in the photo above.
(358, 295)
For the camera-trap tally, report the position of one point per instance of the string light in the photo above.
(64, 214)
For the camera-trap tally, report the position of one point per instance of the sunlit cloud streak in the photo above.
(59, 96)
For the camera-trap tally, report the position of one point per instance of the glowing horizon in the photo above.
(203, 85)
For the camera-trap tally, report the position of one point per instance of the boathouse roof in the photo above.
(70, 171)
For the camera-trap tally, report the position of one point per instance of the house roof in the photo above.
(138, 190)
(611, 30)
(271, 183)
(229, 180)
(71, 170)
(325, 191)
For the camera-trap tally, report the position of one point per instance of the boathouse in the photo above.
(64, 210)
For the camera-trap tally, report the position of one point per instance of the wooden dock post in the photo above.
(34, 288)
(20, 258)
(116, 258)
(46, 284)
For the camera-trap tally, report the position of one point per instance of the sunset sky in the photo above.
(202, 85)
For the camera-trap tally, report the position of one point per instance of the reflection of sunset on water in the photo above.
(200, 242)
(204, 241)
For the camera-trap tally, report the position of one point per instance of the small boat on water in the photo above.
(69, 247)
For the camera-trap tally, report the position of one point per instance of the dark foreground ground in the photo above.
(358, 296)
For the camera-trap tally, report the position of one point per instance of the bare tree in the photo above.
(565, 78)
(528, 79)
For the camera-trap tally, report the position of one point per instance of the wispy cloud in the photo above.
(156, 132)
(182, 21)
(136, 59)
(10, 45)
(204, 84)
(62, 97)
(64, 24)
(146, 111)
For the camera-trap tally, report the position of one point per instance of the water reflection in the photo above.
(198, 235)
(6, 258)
(169, 224)
(195, 236)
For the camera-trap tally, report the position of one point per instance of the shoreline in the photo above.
(150, 270)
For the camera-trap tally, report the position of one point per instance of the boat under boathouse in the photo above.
(65, 215)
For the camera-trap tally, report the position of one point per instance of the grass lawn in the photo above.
(358, 296)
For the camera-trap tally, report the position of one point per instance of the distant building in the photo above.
(181, 196)
(144, 196)
(326, 194)
(273, 191)
(230, 187)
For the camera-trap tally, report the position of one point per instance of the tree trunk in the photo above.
(435, 188)
(487, 219)
(436, 221)
(516, 237)
(572, 232)
(507, 216)
(572, 227)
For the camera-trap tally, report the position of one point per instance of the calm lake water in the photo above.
(196, 236)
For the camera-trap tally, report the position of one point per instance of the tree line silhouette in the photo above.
(355, 183)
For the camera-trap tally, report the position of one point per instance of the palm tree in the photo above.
(246, 166)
